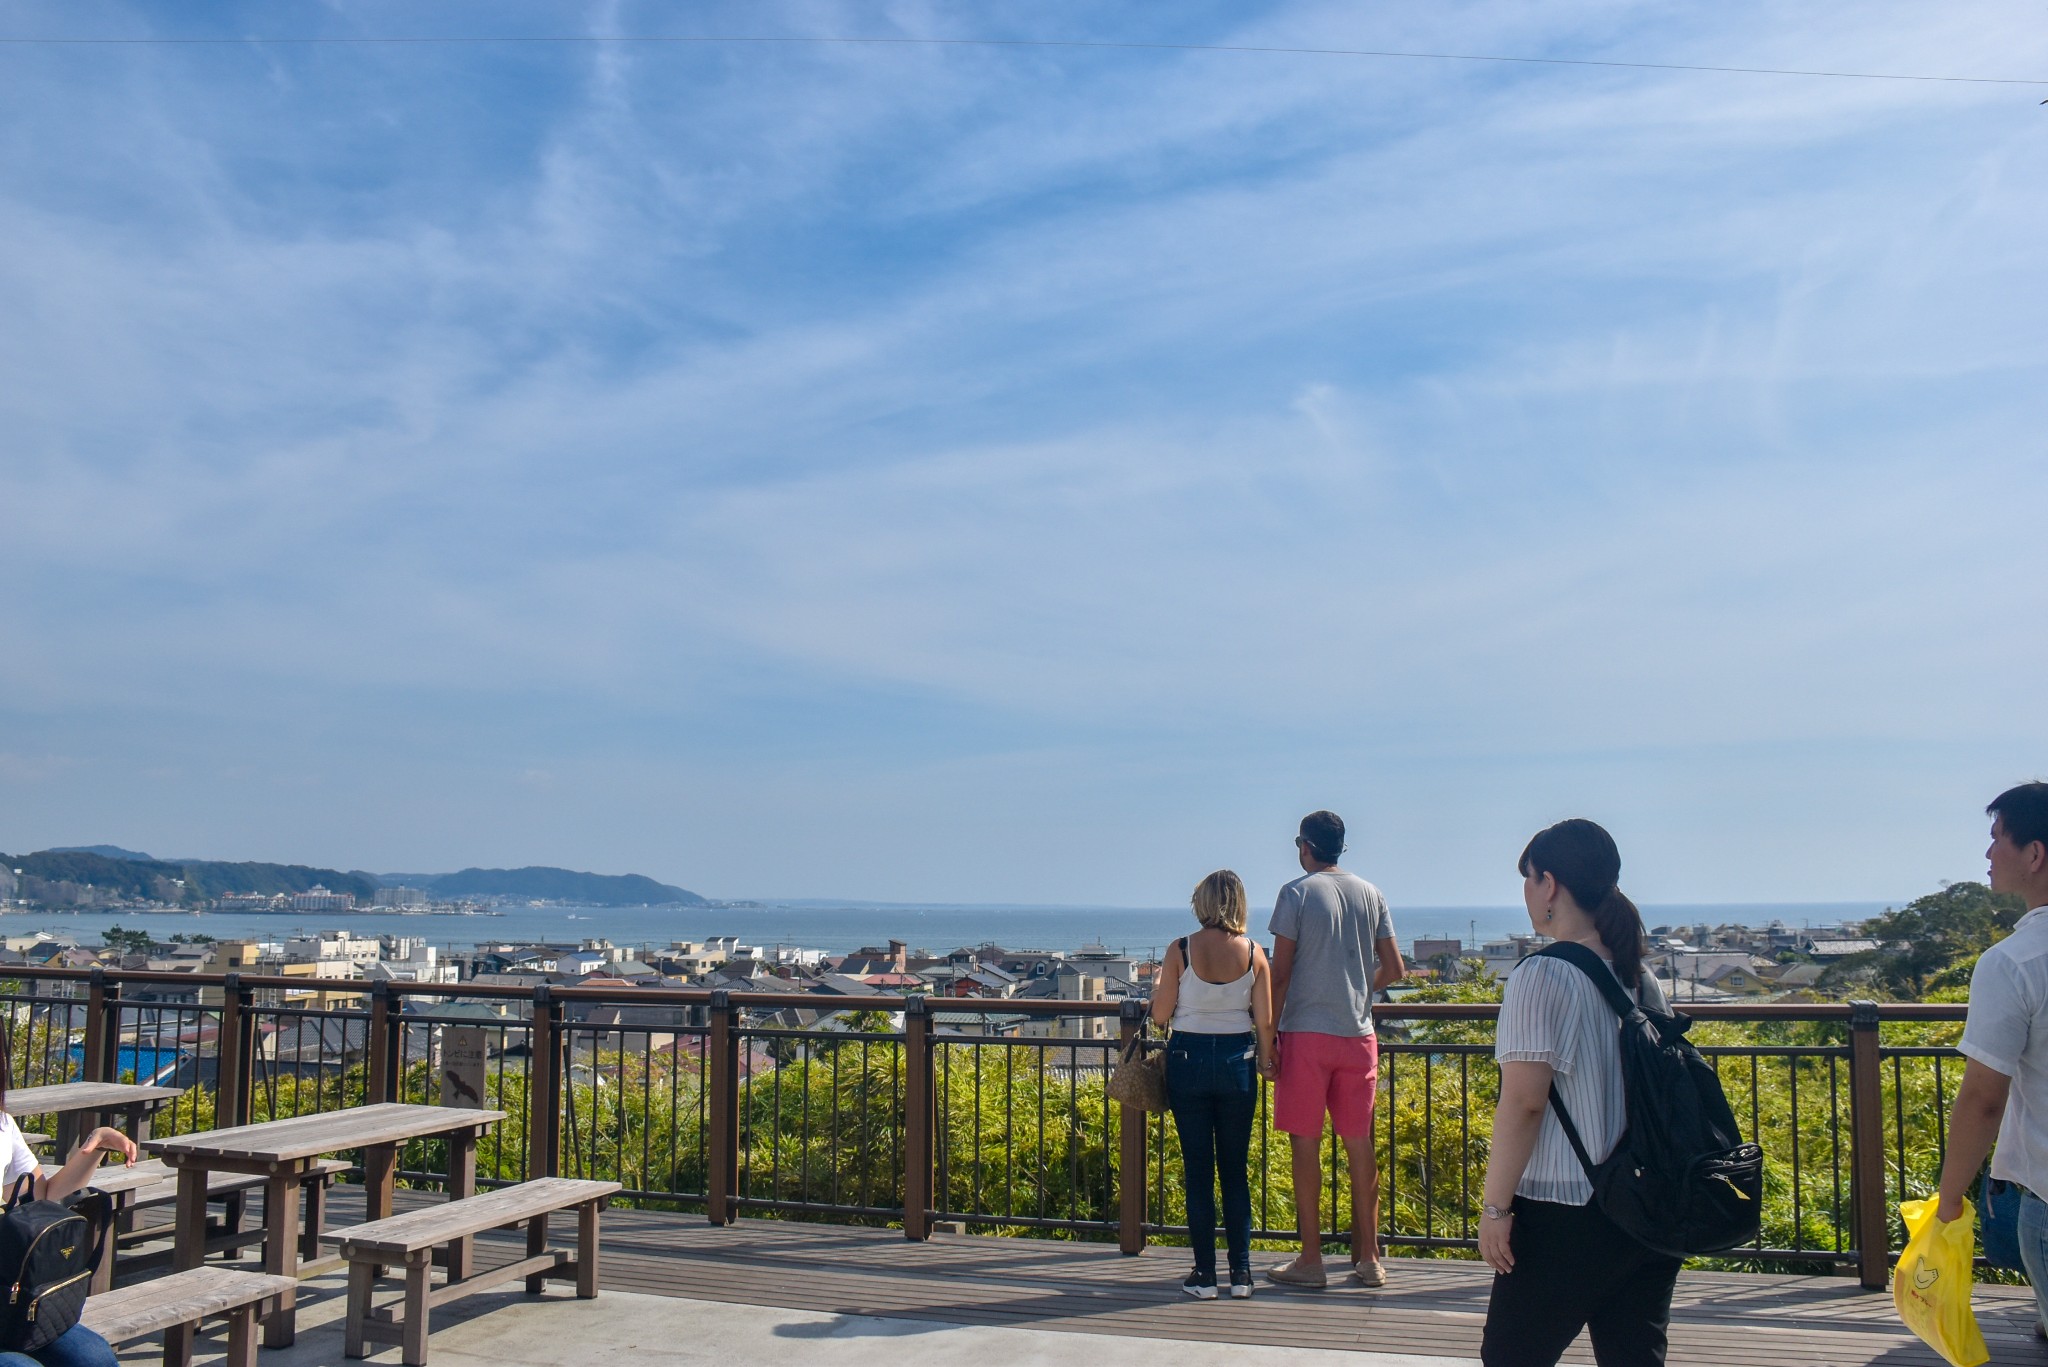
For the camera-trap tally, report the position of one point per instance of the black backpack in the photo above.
(48, 1250)
(1681, 1180)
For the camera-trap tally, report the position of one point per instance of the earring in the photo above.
(1548, 912)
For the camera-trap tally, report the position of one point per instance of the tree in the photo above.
(127, 941)
(1928, 935)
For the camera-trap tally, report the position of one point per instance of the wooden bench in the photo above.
(409, 1241)
(148, 1184)
(183, 1299)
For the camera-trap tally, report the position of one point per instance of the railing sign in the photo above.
(463, 1056)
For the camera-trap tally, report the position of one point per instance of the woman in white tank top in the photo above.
(1215, 991)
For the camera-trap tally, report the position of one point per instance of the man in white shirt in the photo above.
(2004, 1093)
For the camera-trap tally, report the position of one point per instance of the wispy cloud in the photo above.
(900, 431)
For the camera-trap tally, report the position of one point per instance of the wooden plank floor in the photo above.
(1429, 1306)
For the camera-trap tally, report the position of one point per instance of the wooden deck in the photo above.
(1431, 1307)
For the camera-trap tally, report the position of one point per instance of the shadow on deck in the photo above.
(1431, 1307)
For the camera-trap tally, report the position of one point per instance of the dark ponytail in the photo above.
(1583, 857)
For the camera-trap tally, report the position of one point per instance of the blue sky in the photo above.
(1026, 474)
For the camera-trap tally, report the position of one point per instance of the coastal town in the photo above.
(1698, 963)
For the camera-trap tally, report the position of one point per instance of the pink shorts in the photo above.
(1334, 1073)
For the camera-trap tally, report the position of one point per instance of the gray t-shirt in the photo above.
(1334, 918)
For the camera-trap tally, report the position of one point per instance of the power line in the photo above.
(1070, 43)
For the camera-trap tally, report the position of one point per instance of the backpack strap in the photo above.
(1596, 968)
(1571, 1132)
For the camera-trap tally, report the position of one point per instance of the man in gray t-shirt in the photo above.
(1333, 947)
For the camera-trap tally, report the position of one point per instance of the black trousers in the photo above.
(1575, 1269)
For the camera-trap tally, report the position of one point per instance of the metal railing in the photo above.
(989, 1113)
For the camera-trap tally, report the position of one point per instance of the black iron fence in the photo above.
(988, 1113)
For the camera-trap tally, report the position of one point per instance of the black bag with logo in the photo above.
(48, 1250)
(1681, 1180)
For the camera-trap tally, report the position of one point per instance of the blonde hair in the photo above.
(1219, 902)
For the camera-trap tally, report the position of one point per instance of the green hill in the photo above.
(562, 885)
(203, 878)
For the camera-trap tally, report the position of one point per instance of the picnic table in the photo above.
(282, 1152)
(78, 1107)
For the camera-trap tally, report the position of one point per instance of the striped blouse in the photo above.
(1552, 1013)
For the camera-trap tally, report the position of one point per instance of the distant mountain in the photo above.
(560, 885)
(106, 852)
(132, 875)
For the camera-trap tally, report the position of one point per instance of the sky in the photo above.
(1025, 474)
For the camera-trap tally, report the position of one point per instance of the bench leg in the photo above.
(461, 1185)
(103, 1270)
(418, 1270)
(536, 1244)
(361, 1277)
(237, 1209)
(586, 1250)
(281, 1254)
(242, 1336)
(188, 1250)
(178, 1344)
(316, 1219)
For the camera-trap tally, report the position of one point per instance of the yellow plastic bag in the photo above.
(1931, 1285)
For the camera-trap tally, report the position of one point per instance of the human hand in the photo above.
(1494, 1237)
(1269, 1066)
(106, 1139)
(1949, 1209)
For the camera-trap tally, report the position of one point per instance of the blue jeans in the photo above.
(1213, 1095)
(2033, 1224)
(77, 1346)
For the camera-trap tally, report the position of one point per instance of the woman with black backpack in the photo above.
(1563, 1265)
(76, 1346)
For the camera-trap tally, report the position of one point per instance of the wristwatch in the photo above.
(1494, 1212)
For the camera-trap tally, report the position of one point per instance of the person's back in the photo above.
(1213, 986)
(1333, 947)
(1335, 919)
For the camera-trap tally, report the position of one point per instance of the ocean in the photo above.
(840, 929)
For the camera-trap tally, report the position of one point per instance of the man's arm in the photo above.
(1972, 1129)
(1390, 969)
(1283, 969)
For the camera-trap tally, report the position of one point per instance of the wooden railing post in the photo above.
(544, 1088)
(920, 1101)
(98, 993)
(382, 1045)
(1867, 1157)
(1130, 1168)
(234, 1081)
(722, 1110)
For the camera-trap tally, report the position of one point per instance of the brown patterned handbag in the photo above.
(1140, 1077)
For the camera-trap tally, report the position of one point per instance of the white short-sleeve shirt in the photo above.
(1551, 1012)
(2007, 1031)
(14, 1154)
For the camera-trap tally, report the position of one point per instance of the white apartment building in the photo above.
(320, 899)
(407, 958)
(337, 946)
